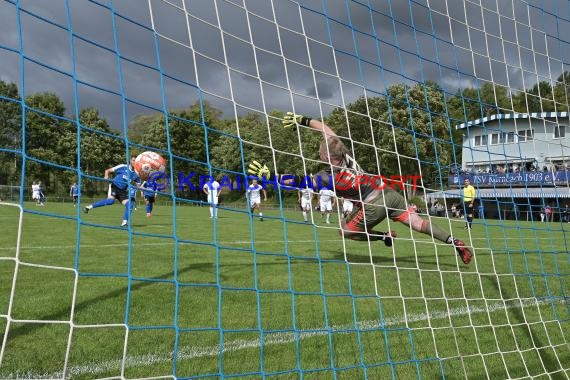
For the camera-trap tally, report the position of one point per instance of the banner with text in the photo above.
(534, 178)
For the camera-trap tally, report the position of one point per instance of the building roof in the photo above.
(537, 115)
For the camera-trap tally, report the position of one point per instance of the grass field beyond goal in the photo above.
(179, 295)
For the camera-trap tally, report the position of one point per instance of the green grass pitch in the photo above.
(284, 299)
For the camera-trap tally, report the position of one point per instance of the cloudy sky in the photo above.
(259, 55)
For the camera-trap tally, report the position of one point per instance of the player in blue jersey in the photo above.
(74, 193)
(125, 177)
(42, 194)
(149, 193)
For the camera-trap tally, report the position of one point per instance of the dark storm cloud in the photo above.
(399, 41)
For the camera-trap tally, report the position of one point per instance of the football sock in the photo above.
(305, 215)
(128, 210)
(103, 202)
(435, 231)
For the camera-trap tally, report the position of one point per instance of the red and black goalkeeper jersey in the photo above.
(349, 180)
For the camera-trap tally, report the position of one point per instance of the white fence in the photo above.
(10, 193)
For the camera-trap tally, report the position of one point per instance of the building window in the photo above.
(484, 140)
(559, 132)
(502, 138)
(494, 138)
(510, 137)
(526, 135)
(481, 140)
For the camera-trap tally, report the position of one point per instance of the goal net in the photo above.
(9, 193)
(426, 93)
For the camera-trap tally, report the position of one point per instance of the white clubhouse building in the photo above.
(515, 159)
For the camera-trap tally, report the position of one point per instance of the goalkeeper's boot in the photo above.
(86, 209)
(462, 251)
(389, 237)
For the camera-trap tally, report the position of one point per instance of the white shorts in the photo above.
(254, 202)
(305, 203)
(35, 196)
(347, 207)
(214, 202)
(326, 206)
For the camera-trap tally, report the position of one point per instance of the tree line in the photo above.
(408, 130)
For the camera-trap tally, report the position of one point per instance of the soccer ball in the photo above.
(147, 163)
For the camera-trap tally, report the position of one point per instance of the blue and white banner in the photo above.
(534, 178)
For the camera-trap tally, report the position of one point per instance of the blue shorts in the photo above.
(119, 194)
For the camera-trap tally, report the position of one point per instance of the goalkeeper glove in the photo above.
(291, 120)
(388, 237)
(259, 169)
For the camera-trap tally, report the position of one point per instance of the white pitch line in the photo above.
(188, 353)
(162, 243)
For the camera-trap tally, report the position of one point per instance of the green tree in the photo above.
(230, 148)
(495, 99)
(10, 131)
(185, 133)
(10, 116)
(539, 98)
(190, 134)
(562, 92)
(101, 146)
(542, 97)
(45, 128)
(473, 103)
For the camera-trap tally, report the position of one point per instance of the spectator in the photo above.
(548, 212)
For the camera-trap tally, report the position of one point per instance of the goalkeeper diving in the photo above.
(371, 205)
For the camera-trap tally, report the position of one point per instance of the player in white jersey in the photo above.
(36, 192)
(326, 203)
(254, 193)
(305, 197)
(347, 207)
(212, 190)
